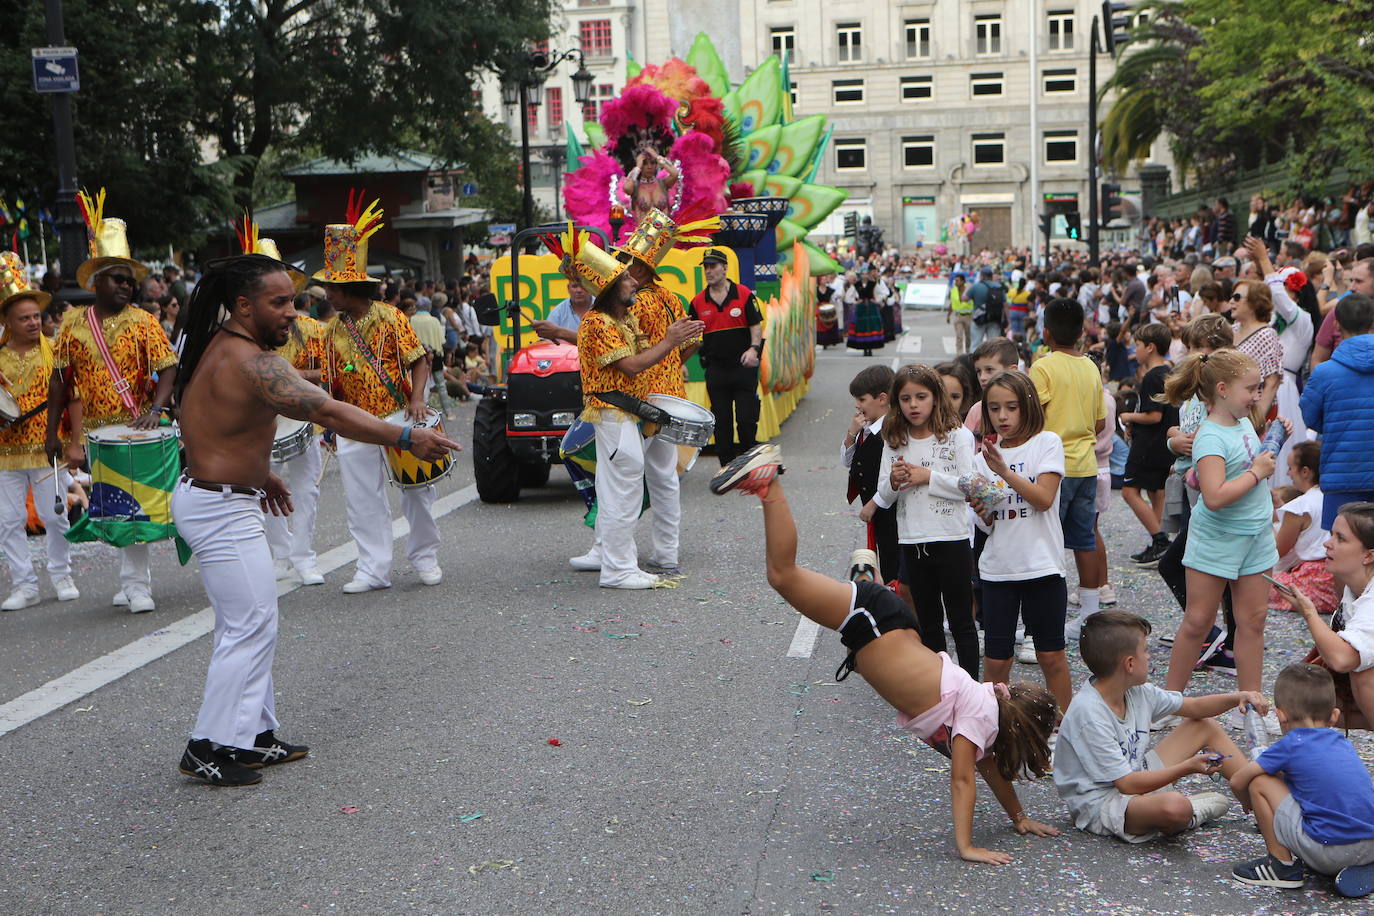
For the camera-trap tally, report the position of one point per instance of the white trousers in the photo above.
(1287, 399)
(14, 488)
(292, 536)
(134, 571)
(369, 514)
(226, 532)
(665, 498)
(619, 495)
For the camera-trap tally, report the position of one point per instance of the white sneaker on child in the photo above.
(1026, 653)
(1106, 597)
(1207, 807)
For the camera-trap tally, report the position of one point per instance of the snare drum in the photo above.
(9, 409)
(133, 472)
(292, 439)
(403, 468)
(688, 423)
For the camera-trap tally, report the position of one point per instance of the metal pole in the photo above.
(1035, 144)
(1093, 244)
(67, 216)
(525, 153)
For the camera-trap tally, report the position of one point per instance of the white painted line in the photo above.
(896, 361)
(948, 341)
(804, 640)
(911, 343)
(114, 665)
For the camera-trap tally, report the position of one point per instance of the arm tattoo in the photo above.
(280, 387)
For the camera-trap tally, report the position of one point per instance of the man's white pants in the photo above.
(226, 532)
(14, 487)
(292, 537)
(665, 499)
(369, 514)
(619, 494)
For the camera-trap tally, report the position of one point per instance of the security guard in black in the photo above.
(730, 351)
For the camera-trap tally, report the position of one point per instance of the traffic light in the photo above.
(1075, 224)
(851, 224)
(1111, 203)
(1115, 26)
(1047, 224)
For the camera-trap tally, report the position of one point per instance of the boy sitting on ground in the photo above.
(1103, 768)
(1312, 797)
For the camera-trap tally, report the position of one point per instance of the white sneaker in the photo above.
(20, 598)
(588, 562)
(140, 602)
(120, 599)
(356, 586)
(1073, 598)
(310, 575)
(1106, 597)
(1026, 654)
(635, 580)
(66, 589)
(432, 576)
(281, 569)
(1073, 629)
(1207, 807)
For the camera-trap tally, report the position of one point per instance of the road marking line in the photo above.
(127, 659)
(948, 341)
(804, 640)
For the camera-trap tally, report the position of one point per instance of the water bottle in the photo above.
(1256, 738)
(1274, 437)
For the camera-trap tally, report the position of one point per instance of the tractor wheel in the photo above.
(494, 467)
(534, 474)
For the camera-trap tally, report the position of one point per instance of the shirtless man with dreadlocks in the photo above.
(231, 386)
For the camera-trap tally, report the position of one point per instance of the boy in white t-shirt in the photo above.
(1300, 537)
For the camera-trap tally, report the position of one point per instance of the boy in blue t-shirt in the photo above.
(1312, 797)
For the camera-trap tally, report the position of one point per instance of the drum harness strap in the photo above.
(634, 406)
(27, 415)
(371, 358)
(121, 384)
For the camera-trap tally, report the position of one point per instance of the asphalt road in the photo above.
(698, 768)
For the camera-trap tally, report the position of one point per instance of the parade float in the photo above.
(681, 137)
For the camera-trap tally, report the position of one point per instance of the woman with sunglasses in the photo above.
(1252, 306)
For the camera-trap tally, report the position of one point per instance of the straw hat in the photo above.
(108, 241)
(14, 283)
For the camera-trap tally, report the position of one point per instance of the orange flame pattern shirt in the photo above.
(347, 372)
(139, 348)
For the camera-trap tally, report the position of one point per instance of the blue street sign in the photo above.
(54, 70)
(469, 189)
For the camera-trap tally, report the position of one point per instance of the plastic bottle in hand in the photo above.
(1274, 437)
(1256, 738)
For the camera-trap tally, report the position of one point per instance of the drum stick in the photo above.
(328, 453)
(59, 504)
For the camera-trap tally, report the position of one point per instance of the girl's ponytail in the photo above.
(1026, 714)
(1200, 374)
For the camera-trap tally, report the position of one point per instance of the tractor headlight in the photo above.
(563, 418)
(522, 420)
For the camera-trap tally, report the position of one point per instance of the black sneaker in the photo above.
(1150, 558)
(1223, 663)
(750, 472)
(1137, 557)
(1210, 646)
(269, 750)
(217, 766)
(1268, 871)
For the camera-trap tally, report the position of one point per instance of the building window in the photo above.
(553, 98)
(1061, 82)
(792, 91)
(847, 92)
(1061, 146)
(988, 31)
(1061, 30)
(1140, 20)
(849, 39)
(989, 149)
(532, 117)
(591, 109)
(595, 35)
(917, 38)
(851, 155)
(985, 84)
(785, 43)
(917, 88)
(918, 152)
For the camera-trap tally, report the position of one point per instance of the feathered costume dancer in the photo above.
(640, 137)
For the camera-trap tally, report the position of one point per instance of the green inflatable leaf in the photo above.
(812, 203)
(820, 262)
(596, 137)
(756, 177)
(760, 97)
(795, 145)
(574, 148)
(632, 68)
(730, 105)
(703, 56)
(760, 146)
(781, 186)
(788, 232)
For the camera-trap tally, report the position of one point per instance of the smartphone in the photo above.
(1286, 589)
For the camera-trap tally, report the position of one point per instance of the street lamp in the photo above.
(523, 84)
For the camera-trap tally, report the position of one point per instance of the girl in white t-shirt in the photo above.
(1300, 538)
(1022, 566)
(926, 449)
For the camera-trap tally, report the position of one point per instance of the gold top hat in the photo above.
(14, 283)
(657, 234)
(252, 243)
(595, 269)
(345, 244)
(108, 242)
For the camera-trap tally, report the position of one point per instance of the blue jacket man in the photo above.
(1338, 402)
